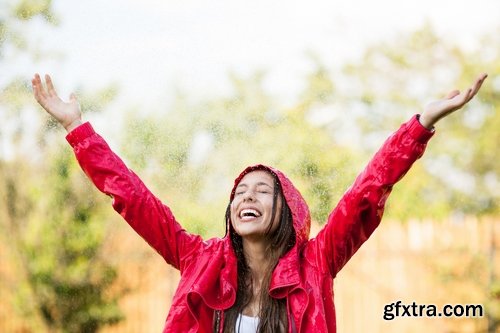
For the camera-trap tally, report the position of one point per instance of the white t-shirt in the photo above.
(246, 324)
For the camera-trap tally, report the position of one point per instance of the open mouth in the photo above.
(249, 214)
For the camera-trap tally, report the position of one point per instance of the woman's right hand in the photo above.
(67, 114)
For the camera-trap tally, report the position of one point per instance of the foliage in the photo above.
(357, 108)
(242, 129)
(57, 224)
(51, 215)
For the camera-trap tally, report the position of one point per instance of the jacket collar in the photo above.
(216, 287)
(286, 275)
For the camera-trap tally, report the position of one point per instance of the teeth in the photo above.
(249, 212)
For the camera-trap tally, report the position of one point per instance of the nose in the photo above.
(248, 196)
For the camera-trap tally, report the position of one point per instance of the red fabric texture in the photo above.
(304, 276)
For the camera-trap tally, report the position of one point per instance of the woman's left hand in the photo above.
(455, 100)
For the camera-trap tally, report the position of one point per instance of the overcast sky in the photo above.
(148, 46)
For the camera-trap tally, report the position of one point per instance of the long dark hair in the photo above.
(272, 312)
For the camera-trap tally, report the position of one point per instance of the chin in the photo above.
(249, 232)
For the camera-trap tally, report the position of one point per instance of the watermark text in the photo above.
(400, 309)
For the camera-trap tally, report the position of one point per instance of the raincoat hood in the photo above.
(298, 206)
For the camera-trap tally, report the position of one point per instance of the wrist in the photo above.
(426, 122)
(73, 125)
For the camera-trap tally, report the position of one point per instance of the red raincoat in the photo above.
(304, 276)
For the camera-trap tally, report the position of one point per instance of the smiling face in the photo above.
(252, 206)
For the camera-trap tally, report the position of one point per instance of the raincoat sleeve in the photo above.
(360, 209)
(145, 213)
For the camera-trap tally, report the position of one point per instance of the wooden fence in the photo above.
(450, 262)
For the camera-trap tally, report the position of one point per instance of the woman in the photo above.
(265, 275)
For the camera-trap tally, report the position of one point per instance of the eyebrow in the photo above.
(258, 184)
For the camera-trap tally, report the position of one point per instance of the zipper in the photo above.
(218, 319)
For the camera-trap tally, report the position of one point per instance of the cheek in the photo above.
(270, 204)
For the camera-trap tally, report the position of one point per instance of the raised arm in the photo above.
(360, 210)
(145, 213)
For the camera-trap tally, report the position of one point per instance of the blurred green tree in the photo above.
(192, 152)
(50, 216)
(325, 139)
(459, 174)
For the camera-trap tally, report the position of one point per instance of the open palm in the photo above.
(455, 100)
(68, 114)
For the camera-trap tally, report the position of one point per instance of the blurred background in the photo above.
(190, 92)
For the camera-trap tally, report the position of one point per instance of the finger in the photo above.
(463, 98)
(36, 78)
(35, 89)
(35, 82)
(477, 85)
(457, 101)
(38, 88)
(50, 86)
(452, 94)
